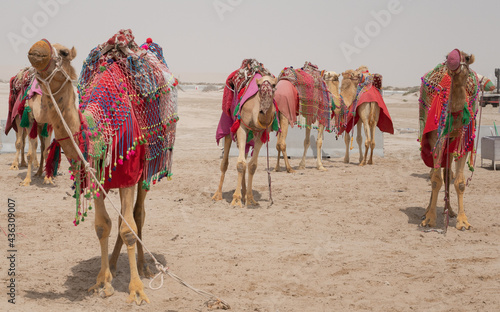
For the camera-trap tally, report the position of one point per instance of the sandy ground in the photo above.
(342, 240)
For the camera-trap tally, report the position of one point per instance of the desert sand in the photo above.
(342, 240)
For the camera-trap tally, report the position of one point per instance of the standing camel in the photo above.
(25, 96)
(107, 129)
(448, 99)
(361, 94)
(248, 116)
(302, 93)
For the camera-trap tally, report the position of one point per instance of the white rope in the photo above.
(91, 171)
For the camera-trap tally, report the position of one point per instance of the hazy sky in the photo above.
(205, 40)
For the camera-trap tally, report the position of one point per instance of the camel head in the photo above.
(330, 76)
(458, 63)
(267, 86)
(350, 78)
(45, 57)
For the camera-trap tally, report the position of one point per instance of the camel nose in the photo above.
(40, 54)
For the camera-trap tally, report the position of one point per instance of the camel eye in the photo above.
(467, 58)
(64, 53)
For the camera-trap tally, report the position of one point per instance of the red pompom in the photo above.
(149, 40)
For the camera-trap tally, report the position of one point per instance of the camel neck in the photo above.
(458, 94)
(348, 91)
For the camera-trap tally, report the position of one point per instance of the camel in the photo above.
(331, 79)
(315, 105)
(256, 116)
(55, 73)
(447, 129)
(32, 100)
(371, 113)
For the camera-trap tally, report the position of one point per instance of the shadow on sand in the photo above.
(84, 276)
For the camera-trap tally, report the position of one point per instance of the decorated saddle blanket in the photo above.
(455, 131)
(226, 121)
(23, 87)
(128, 103)
(315, 101)
(287, 100)
(238, 81)
(369, 90)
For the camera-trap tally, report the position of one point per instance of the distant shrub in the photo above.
(210, 88)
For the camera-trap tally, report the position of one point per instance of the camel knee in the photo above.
(252, 168)
(460, 185)
(102, 231)
(240, 167)
(281, 146)
(128, 237)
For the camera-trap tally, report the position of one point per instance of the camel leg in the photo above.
(307, 143)
(447, 176)
(33, 143)
(347, 140)
(139, 217)
(281, 145)
(359, 140)
(241, 165)
(45, 152)
(252, 167)
(103, 229)
(374, 116)
(136, 287)
(24, 134)
(462, 222)
(430, 214)
(223, 167)
(19, 146)
(319, 145)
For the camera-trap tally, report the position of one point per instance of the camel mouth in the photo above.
(40, 55)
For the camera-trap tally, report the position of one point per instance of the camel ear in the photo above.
(72, 53)
(471, 59)
(260, 81)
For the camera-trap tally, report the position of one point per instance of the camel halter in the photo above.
(215, 301)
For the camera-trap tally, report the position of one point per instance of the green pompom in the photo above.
(25, 120)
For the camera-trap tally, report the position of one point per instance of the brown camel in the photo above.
(348, 87)
(18, 83)
(447, 130)
(55, 73)
(365, 104)
(256, 115)
(331, 79)
(308, 107)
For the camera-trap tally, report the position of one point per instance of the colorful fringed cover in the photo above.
(128, 103)
(315, 101)
(435, 115)
(369, 90)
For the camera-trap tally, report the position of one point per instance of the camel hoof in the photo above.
(25, 183)
(277, 169)
(346, 161)
(290, 170)
(321, 168)
(48, 181)
(237, 202)
(137, 294)
(104, 291)
(252, 202)
(217, 196)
